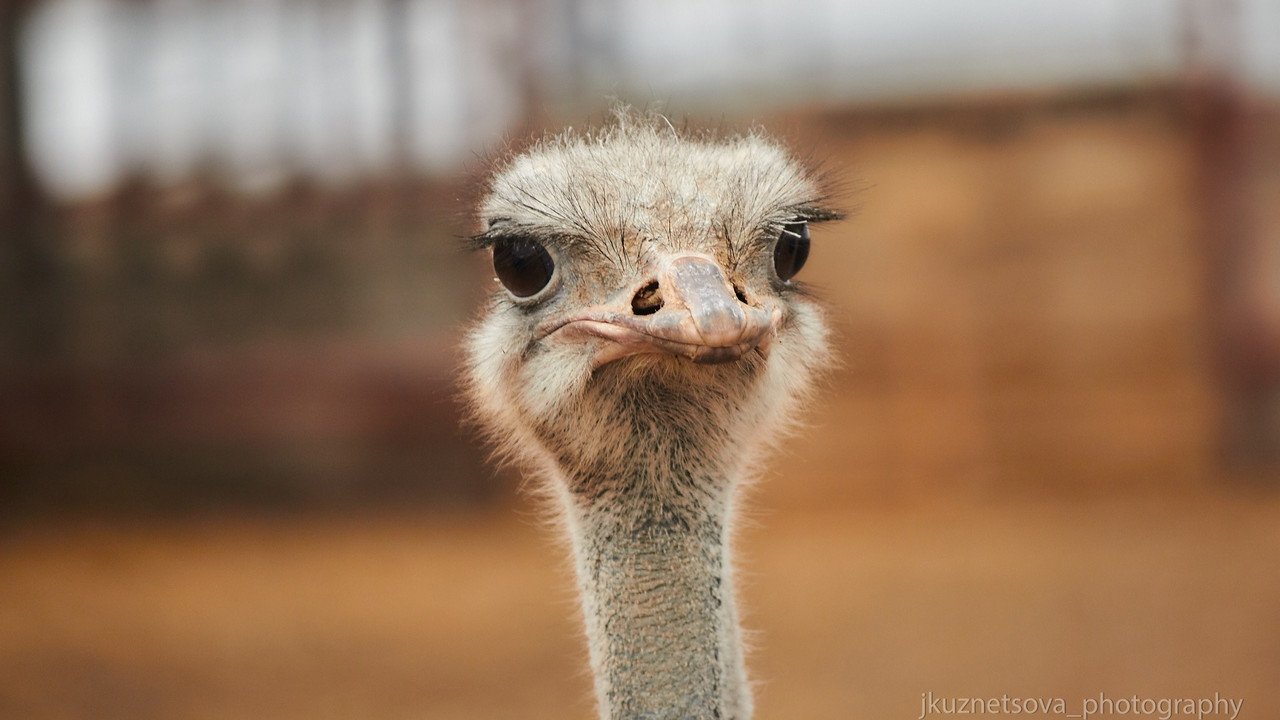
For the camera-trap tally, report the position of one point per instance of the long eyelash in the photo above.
(483, 240)
(811, 213)
(548, 238)
(476, 243)
(816, 213)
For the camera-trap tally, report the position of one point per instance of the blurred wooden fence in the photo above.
(184, 340)
(292, 351)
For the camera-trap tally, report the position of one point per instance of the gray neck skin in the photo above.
(653, 564)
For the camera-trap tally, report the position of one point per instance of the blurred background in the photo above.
(233, 480)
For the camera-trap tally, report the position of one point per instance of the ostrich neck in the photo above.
(653, 562)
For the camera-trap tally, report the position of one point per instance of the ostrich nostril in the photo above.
(740, 293)
(647, 300)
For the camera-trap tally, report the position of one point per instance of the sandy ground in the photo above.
(855, 613)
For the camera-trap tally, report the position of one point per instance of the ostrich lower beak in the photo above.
(691, 310)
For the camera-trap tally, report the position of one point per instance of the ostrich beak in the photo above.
(690, 309)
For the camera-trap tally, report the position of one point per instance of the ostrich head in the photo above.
(645, 341)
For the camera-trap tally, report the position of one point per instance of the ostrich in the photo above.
(644, 345)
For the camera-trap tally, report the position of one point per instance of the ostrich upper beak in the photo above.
(690, 309)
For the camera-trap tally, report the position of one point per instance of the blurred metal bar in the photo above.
(29, 302)
(20, 192)
(1243, 341)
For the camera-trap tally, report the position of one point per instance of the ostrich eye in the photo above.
(792, 250)
(522, 264)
